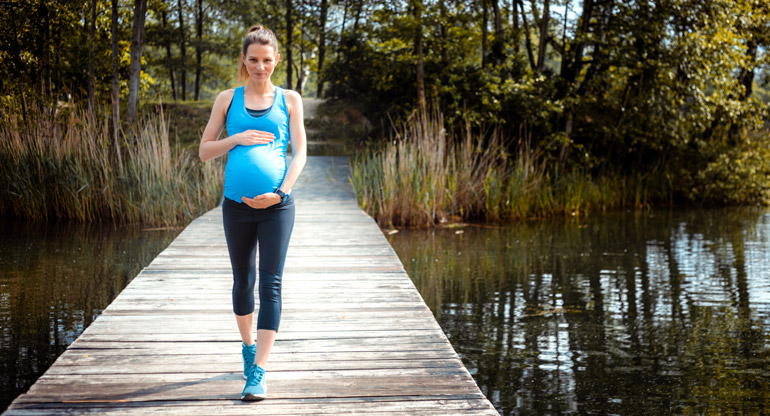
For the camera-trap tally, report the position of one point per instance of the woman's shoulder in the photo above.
(223, 100)
(224, 97)
(292, 96)
(226, 94)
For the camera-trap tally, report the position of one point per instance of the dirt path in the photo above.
(311, 106)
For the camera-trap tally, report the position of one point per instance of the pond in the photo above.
(55, 279)
(662, 312)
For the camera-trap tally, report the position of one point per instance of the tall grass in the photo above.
(60, 164)
(424, 177)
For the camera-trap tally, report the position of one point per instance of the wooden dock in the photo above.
(356, 337)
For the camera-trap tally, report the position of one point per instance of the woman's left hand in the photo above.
(262, 201)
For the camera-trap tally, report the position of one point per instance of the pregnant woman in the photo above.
(258, 209)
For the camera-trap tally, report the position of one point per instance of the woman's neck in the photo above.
(260, 87)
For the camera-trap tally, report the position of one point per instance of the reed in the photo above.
(424, 177)
(60, 164)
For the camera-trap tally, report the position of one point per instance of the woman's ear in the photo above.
(277, 58)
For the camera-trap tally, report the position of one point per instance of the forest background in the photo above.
(468, 110)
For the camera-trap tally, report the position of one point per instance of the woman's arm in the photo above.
(210, 147)
(298, 139)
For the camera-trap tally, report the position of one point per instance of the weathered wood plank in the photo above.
(144, 364)
(350, 336)
(219, 385)
(287, 326)
(385, 343)
(356, 336)
(294, 316)
(116, 362)
(225, 310)
(388, 405)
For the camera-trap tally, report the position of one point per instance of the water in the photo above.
(649, 313)
(54, 281)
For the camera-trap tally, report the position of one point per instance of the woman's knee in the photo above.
(269, 285)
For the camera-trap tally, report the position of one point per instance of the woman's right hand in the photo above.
(210, 147)
(253, 137)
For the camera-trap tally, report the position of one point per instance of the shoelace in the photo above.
(248, 352)
(255, 376)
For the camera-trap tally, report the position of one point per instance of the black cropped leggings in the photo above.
(269, 229)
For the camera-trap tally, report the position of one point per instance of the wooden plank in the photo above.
(210, 363)
(356, 336)
(287, 326)
(102, 359)
(385, 343)
(230, 386)
(389, 405)
(350, 336)
(281, 384)
(295, 316)
(224, 310)
(323, 298)
(214, 306)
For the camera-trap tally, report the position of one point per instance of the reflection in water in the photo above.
(54, 281)
(628, 313)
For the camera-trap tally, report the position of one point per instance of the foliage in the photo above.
(59, 164)
(424, 177)
(737, 174)
(639, 89)
(48, 43)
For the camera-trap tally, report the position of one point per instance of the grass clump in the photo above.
(60, 163)
(424, 177)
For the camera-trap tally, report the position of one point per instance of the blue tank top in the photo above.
(257, 169)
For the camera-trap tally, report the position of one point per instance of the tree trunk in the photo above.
(516, 34)
(198, 46)
(18, 65)
(543, 35)
(564, 28)
(746, 77)
(572, 60)
(289, 30)
(484, 31)
(44, 40)
(18, 71)
(115, 86)
(604, 18)
(182, 50)
(321, 47)
(358, 16)
(137, 41)
(58, 45)
(417, 12)
(91, 76)
(169, 62)
(498, 42)
(442, 31)
(301, 70)
(344, 19)
(527, 40)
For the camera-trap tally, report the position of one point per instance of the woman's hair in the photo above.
(257, 34)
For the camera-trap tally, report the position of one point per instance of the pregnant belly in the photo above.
(253, 170)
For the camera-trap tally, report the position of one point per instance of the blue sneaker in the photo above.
(256, 388)
(248, 352)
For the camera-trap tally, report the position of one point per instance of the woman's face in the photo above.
(260, 61)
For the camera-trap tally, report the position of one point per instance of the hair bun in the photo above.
(255, 28)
